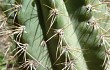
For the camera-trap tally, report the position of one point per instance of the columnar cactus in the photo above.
(56, 34)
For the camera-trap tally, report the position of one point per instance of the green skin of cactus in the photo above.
(88, 36)
(61, 21)
(77, 37)
(2, 62)
(33, 35)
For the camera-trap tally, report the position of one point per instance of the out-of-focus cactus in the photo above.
(57, 34)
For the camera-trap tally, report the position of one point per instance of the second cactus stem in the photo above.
(63, 46)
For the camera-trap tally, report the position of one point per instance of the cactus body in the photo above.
(58, 35)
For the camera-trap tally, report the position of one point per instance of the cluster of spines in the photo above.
(103, 33)
(91, 23)
(14, 32)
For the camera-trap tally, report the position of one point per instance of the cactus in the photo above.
(55, 34)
